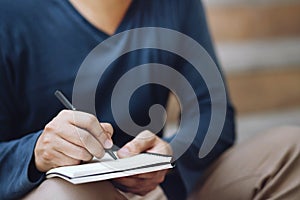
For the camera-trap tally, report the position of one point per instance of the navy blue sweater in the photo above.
(42, 45)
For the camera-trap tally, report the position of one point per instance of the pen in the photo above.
(69, 106)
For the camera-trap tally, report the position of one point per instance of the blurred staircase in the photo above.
(258, 44)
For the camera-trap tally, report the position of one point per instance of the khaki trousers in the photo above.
(58, 189)
(265, 167)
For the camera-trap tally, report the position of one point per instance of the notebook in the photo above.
(108, 168)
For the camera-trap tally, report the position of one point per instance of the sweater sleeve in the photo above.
(18, 174)
(190, 166)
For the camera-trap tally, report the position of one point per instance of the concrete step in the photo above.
(242, 21)
(259, 54)
(248, 126)
(257, 123)
(259, 91)
(258, 43)
(216, 3)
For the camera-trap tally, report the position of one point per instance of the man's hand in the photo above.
(71, 137)
(143, 183)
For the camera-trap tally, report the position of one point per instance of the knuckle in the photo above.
(54, 127)
(100, 153)
(108, 127)
(89, 157)
(75, 131)
(91, 119)
(74, 162)
(84, 155)
(100, 135)
(147, 136)
(47, 156)
(51, 130)
(47, 139)
(64, 113)
(84, 137)
(136, 142)
(80, 154)
(49, 127)
(135, 147)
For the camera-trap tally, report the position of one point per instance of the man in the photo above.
(43, 44)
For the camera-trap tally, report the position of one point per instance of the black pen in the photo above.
(69, 106)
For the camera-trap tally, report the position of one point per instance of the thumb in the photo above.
(141, 143)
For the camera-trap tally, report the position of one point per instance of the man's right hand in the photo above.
(71, 137)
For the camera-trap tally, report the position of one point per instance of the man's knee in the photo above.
(270, 157)
(59, 189)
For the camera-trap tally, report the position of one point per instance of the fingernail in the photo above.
(108, 144)
(124, 152)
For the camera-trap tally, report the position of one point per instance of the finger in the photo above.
(142, 142)
(51, 158)
(73, 151)
(108, 128)
(91, 124)
(70, 133)
(161, 147)
(63, 160)
(90, 143)
(81, 138)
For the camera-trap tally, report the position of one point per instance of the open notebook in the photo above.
(107, 168)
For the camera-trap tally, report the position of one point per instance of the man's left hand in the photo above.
(142, 184)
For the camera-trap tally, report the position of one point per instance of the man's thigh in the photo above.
(59, 189)
(265, 167)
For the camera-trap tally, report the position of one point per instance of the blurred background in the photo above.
(258, 45)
